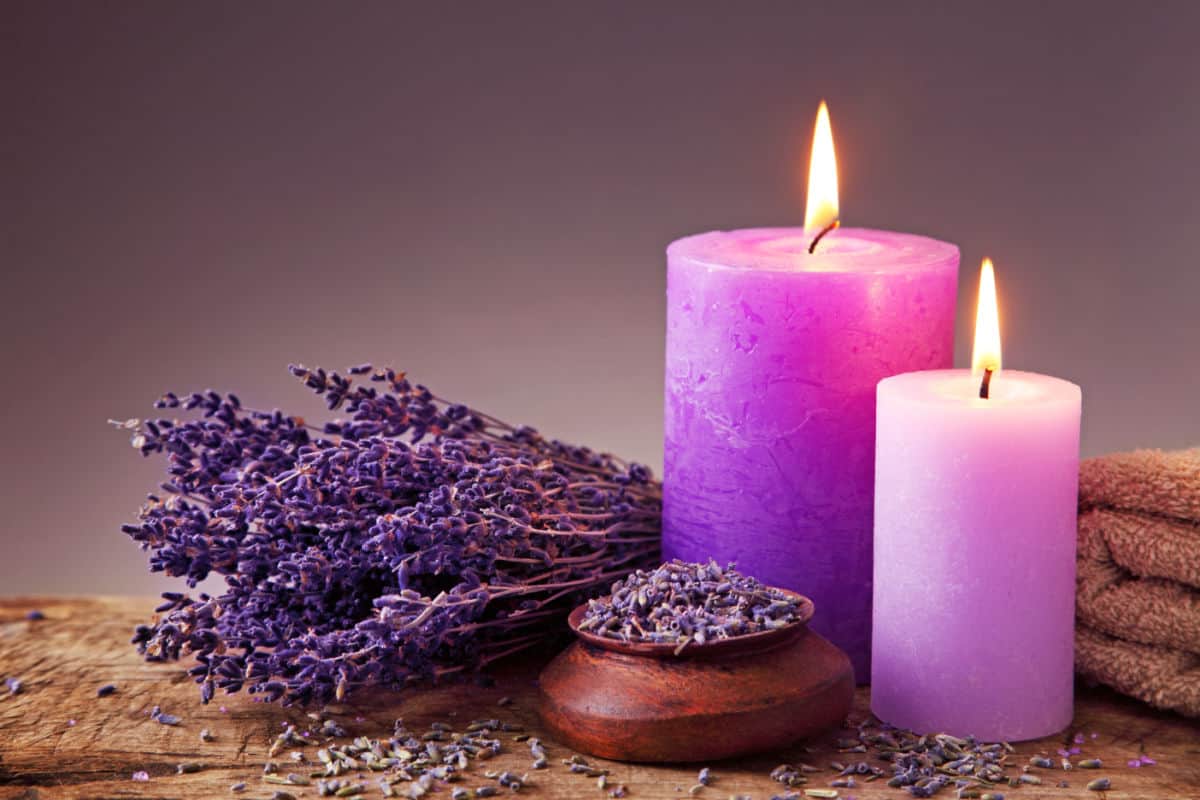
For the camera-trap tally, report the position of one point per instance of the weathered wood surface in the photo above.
(83, 644)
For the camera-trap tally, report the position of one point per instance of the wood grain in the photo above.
(83, 644)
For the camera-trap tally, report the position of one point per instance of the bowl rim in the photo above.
(734, 644)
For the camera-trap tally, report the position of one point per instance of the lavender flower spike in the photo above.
(409, 539)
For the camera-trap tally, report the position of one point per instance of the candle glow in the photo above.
(986, 353)
(821, 205)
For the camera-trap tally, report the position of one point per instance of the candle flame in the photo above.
(986, 355)
(821, 207)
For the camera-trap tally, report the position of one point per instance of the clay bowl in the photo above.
(633, 701)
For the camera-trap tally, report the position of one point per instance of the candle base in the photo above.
(964, 717)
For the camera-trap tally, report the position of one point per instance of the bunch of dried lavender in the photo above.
(412, 539)
(682, 602)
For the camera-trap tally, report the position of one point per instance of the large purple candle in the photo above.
(773, 356)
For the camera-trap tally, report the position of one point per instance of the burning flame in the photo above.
(986, 354)
(821, 208)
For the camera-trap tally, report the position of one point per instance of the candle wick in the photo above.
(831, 226)
(985, 386)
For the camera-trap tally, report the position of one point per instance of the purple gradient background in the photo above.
(195, 195)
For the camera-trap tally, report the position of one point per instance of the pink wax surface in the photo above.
(773, 356)
(975, 517)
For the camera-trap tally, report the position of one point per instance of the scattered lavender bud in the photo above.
(486, 791)
(140, 775)
(238, 787)
(167, 719)
(619, 791)
(1042, 761)
(71, 723)
(1147, 761)
(331, 728)
(790, 775)
(106, 690)
(207, 736)
(705, 776)
(1100, 785)
(35, 615)
(14, 685)
(1090, 763)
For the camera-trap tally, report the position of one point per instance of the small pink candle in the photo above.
(975, 506)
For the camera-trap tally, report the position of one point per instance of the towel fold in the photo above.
(1162, 484)
(1138, 576)
(1128, 574)
(1164, 678)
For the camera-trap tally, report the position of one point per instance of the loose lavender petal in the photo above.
(140, 775)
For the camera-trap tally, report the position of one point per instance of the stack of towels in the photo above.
(1138, 576)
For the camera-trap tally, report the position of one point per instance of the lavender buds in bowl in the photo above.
(682, 605)
(640, 685)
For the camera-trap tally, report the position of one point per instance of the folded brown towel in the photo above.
(1163, 484)
(1166, 679)
(1138, 576)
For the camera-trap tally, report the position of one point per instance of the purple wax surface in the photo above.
(773, 355)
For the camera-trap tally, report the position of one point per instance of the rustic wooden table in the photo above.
(59, 740)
